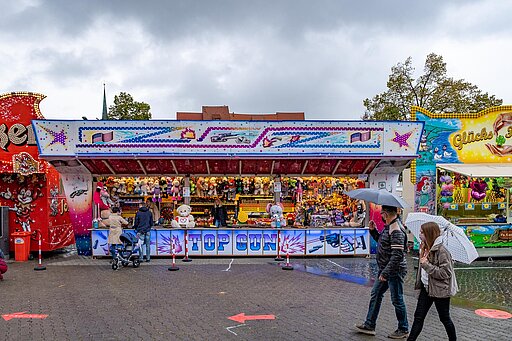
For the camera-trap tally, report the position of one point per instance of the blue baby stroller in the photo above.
(128, 252)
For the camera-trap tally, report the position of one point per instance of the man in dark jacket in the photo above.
(392, 264)
(142, 225)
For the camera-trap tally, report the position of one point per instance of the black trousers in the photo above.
(443, 309)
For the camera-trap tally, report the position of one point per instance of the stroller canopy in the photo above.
(128, 238)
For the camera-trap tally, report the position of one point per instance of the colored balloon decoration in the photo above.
(478, 189)
(446, 183)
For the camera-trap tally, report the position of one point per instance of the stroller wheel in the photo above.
(115, 266)
(136, 263)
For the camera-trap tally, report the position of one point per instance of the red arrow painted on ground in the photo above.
(242, 317)
(22, 315)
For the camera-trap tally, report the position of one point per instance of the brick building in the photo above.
(222, 113)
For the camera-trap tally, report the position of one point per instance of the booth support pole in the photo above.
(39, 266)
(186, 259)
(279, 258)
(287, 266)
(173, 267)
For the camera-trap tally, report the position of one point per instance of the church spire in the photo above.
(104, 115)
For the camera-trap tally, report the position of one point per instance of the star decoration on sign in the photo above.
(402, 139)
(57, 137)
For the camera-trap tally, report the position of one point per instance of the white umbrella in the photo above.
(454, 238)
(378, 196)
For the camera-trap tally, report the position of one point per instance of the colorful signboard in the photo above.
(220, 138)
(239, 242)
(483, 137)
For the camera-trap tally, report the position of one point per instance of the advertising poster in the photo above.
(100, 245)
(332, 240)
(347, 242)
(361, 242)
(294, 240)
(178, 237)
(163, 238)
(315, 242)
(78, 191)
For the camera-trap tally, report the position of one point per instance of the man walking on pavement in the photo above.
(142, 225)
(392, 264)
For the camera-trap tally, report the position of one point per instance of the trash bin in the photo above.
(21, 245)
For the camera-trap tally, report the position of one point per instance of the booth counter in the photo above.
(249, 241)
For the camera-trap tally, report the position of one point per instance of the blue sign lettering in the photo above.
(269, 241)
(241, 242)
(209, 242)
(255, 242)
(194, 238)
(223, 239)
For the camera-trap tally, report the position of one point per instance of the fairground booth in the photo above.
(464, 172)
(277, 179)
(31, 194)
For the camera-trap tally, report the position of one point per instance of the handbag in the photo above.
(454, 288)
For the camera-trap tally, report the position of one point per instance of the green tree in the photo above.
(433, 90)
(125, 108)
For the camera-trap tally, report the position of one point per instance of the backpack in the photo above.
(403, 228)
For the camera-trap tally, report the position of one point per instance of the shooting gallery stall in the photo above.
(249, 164)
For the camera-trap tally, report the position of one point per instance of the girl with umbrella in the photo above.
(435, 280)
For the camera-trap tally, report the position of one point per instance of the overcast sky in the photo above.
(320, 57)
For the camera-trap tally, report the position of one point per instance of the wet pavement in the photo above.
(320, 300)
(481, 284)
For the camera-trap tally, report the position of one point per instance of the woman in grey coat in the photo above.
(435, 280)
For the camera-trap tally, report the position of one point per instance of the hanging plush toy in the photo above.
(199, 187)
(497, 189)
(176, 189)
(478, 188)
(446, 190)
(157, 197)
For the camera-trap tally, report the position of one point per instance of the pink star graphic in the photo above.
(402, 139)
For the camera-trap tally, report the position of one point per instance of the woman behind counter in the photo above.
(219, 213)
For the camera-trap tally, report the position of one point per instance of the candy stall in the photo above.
(29, 186)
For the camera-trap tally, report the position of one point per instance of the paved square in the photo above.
(86, 300)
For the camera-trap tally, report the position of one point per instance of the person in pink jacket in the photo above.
(3, 266)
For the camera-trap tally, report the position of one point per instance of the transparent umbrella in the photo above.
(454, 238)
